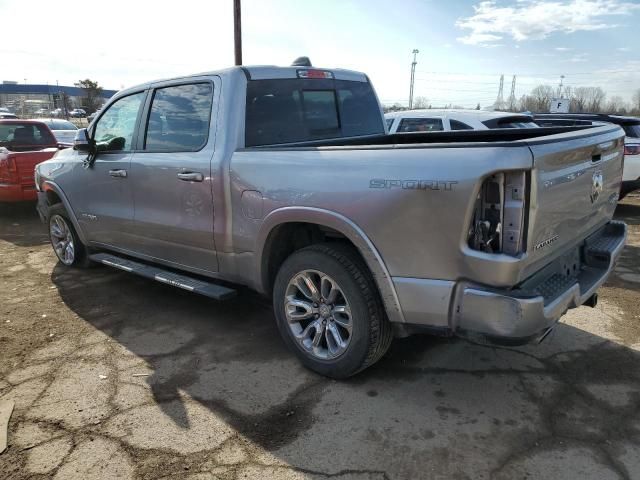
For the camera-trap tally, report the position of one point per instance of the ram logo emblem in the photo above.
(597, 185)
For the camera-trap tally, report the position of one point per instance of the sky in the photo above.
(465, 45)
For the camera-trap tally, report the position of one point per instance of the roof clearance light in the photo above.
(314, 74)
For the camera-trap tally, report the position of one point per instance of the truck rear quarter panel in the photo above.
(412, 202)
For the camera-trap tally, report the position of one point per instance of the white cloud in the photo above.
(537, 19)
(623, 49)
(563, 49)
(579, 58)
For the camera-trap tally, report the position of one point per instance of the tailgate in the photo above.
(25, 163)
(574, 189)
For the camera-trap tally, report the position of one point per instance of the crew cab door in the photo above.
(102, 193)
(171, 175)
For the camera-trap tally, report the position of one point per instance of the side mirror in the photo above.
(82, 142)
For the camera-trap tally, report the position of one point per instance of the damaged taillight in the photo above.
(8, 168)
(498, 224)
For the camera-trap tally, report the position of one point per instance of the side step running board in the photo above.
(158, 274)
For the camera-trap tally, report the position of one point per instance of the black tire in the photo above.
(81, 255)
(371, 333)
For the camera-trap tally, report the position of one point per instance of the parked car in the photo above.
(63, 130)
(355, 234)
(23, 144)
(442, 120)
(78, 113)
(93, 115)
(41, 111)
(631, 127)
(7, 116)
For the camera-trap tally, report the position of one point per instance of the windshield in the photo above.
(25, 136)
(298, 110)
(62, 125)
(632, 130)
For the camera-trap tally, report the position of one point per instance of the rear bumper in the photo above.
(528, 312)
(11, 192)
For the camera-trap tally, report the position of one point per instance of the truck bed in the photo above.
(460, 136)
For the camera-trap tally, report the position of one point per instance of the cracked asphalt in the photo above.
(114, 376)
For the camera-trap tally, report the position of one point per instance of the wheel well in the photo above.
(286, 238)
(53, 198)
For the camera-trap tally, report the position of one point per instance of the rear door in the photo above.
(171, 173)
(575, 185)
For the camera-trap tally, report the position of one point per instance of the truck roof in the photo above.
(260, 72)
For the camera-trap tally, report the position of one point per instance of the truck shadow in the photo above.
(425, 395)
(18, 222)
(629, 211)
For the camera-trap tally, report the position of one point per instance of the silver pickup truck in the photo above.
(284, 179)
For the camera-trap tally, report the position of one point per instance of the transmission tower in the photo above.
(500, 100)
(512, 95)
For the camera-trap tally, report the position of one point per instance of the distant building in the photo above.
(25, 99)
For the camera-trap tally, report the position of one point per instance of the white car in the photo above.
(64, 131)
(433, 120)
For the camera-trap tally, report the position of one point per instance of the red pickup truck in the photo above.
(23, 144)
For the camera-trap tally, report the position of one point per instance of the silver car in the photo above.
(63, 130)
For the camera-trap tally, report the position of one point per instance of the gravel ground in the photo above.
(114, 376)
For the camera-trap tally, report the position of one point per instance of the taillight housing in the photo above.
(500, 212)
(632, 149)
(8, 167)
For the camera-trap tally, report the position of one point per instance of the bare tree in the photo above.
(541, 97)
(420, 103)
(635, 106)
(616, 104)
(588, 99)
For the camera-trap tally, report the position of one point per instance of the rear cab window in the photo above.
(457, 125)
(25, 136)
(179, 118)
(420, 125)
(305, 109)
(632, 130)
(511, 122)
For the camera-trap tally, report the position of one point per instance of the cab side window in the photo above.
(114, 130)
(179, 118)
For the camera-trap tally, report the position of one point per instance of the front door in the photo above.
(104, 199)
(171, 177)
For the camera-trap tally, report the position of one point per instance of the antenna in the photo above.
(500, 100)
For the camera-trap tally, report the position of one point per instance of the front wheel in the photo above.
(64, 239)
(329, 312)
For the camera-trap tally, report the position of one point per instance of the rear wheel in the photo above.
(329, 312)
(64, 238)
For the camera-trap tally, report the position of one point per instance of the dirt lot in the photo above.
(114, 376)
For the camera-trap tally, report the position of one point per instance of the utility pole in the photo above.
(413, 74)
(237, 31)
(560, 87)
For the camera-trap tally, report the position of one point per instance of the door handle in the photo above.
(118, 173)
(191, 176)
